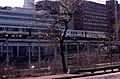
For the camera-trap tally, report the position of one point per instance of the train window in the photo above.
(12, 35)
(73, 32)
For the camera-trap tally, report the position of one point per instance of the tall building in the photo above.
(29, 4)
(91, 16)
(69, 4)
(55, 6)
(47, 5)
(112, 7)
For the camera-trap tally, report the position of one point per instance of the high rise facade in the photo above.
(91, 16)
(112, 8)
(47, 5)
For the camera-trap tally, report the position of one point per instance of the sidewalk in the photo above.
(52, 76)
(104, 76)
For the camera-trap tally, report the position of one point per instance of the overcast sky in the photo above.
(19, 3)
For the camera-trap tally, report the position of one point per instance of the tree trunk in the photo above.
(63, 57)
(61, 48)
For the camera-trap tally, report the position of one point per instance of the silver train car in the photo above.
(87, 34)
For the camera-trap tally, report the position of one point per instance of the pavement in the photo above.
(105, 76)
(52, 76)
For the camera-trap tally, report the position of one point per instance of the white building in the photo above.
(17, 23)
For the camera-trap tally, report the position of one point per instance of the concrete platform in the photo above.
(104, 76)
(52, 76)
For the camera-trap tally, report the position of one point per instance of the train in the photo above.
(70, 33)
(86, 34)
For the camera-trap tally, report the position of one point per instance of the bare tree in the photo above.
(64, 17)
(62, 20)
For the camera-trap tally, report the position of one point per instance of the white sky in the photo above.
(19, 3)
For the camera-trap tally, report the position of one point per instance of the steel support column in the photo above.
(29, 56)
(17, 49)
(39, 54)
(7, 56)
